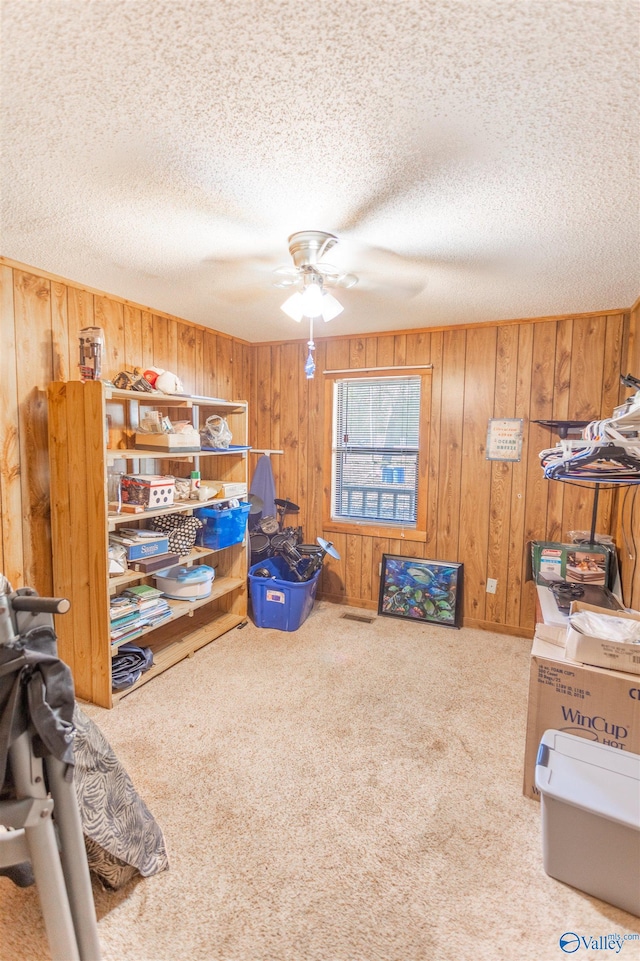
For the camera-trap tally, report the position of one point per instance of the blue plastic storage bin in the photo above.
(222, 527)
(282, 602)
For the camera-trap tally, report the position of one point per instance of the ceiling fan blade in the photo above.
(347, 281)
(285, 277)
(423, 157)
(334, 277)
(377, 268)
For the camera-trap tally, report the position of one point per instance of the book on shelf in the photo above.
(142, 592)
(148, 605)
(121, 607)
(116, 642)
(127, 629)
(121, 621)
(158, 617)
(158, 607)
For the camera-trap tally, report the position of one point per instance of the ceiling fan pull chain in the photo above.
(310, 364)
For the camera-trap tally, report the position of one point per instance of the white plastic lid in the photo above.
(591, 776)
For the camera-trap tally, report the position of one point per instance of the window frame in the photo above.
(394, 531)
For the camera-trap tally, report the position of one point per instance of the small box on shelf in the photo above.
(169, 443)
(148, 490)
(146, 565)
(138, 547)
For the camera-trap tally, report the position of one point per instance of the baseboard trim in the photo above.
(513, 630)
(348, 601)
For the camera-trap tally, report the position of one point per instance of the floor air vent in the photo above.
(358, 617)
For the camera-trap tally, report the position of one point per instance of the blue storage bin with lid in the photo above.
(280, 601)
(222, 528)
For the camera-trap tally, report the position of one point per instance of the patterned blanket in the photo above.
(121, 835)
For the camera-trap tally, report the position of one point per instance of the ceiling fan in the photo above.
(380, 272)
(307, 248)
(311, 276)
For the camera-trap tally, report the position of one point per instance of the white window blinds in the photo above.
(376, 444)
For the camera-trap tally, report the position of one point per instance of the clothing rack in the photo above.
(266, 451)
(608, 452)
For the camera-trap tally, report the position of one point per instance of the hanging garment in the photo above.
(263, 486)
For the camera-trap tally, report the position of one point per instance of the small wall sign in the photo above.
(504, 439)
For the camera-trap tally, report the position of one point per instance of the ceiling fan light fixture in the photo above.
(307, 248)
(312, 299)
(330, 307)
(293, 307)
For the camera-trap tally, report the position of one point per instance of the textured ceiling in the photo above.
(478, 160)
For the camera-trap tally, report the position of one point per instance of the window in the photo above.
(376, 432)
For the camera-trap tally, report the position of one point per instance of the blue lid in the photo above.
(189, 575)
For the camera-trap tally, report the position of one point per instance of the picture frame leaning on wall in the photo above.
(421, 590)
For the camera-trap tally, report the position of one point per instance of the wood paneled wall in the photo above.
(480, 512)
(39, 320)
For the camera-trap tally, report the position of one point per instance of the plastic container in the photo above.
(222, 527)
(282, 602)
(148, 490)
(590, 798)
(186, 583)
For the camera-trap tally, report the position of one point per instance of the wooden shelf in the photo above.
(87, 422)
(115, 520)
(171, 650)
(219, 587)
(122, 581)
(188, 401)
(139, 453)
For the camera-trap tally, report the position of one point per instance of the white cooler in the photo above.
(590, 805)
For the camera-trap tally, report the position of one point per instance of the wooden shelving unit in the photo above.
(91, 426)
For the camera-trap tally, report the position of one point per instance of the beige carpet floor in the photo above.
(345, 792)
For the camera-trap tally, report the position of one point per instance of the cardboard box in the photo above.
(227, 489)
(576, 563)
(614, 655)
(148, 490)
(171, 443)
(554, 623)
(158, 563)
(591, 702)
(142, 547)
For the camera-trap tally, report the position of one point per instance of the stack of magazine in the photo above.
(136, 608)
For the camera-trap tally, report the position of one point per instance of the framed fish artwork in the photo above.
(419, 590)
